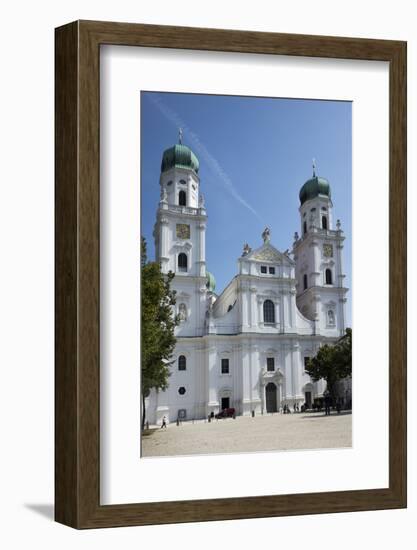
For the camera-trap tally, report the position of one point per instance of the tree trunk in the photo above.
(330, 386)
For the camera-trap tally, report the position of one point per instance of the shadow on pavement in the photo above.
(312, 416)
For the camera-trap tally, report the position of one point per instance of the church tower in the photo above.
(321, 294)
(180, 235)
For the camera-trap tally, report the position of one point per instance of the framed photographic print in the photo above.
(230, 274)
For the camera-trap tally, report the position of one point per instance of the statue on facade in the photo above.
(246, 249)
(296, 236)
(201, 201)
(266, 235)
(182, 312)
(164, 195)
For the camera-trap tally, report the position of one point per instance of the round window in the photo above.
(181, 390)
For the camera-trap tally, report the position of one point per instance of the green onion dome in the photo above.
(179, 156)
(313, 188)
(211, 282)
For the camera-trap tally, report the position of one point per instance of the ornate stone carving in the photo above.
(183, 231)
(328, 250)
(267, 254)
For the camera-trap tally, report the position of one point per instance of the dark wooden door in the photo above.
(271, 397)
(225, 403)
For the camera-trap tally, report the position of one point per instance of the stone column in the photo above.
(315, 274)
(247, 376)
(282, 314)
(317, 313)
(341, 320)
(244, 300)
(213, 403)
(292, 306)
(163, 245)
(260, 312)
(254, 314)
(295, 367)
(201, 228)
(288, 372)
(278, 310)
(256, 392)
(339, 262)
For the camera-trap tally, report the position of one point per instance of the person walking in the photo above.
(164, 423)
(327, 405)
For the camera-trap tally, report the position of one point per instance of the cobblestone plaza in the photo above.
(270, 432)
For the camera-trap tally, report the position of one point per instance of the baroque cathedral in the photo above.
(247, 347)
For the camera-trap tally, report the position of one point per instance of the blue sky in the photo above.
(255, 154)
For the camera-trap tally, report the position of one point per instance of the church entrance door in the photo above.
(271, 397)
(225, 403)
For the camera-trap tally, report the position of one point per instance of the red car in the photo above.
(226, 413)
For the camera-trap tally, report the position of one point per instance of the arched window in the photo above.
(269, 312)
(182, 362)
(182, 198)
(324, 222)
(328, 276)
(330, 317)
(182, 262)
(304, 227)
(305, 281)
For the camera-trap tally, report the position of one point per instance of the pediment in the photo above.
(268, 253)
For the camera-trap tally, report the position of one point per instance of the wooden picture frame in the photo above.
(77, 403)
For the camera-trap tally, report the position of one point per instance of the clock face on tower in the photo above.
(183, 231)
(328, 250)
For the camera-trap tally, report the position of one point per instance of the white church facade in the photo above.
(247, 347)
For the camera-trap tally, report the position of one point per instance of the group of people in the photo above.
(286, 409)
(328, 402)
(283, 410)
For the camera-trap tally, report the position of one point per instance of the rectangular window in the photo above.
(272, 270)
(225, 366)
(306, 360)
(270, 364)
(263, 268)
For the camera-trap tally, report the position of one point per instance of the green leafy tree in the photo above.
(158, 324)
(332, 363)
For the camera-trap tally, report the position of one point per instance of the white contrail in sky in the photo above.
(203, 152)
